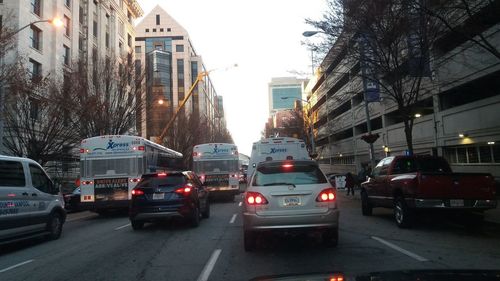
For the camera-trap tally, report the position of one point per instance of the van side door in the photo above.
(14, 201)
(43, 193)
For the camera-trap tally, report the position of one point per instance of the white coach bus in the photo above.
(217, 165)
(111, 166)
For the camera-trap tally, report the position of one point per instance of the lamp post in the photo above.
(311, 126)
(55, 22)
(309, 34)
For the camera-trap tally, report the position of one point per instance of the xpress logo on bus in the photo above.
(115, 146)
(219, 150)
(275, 150)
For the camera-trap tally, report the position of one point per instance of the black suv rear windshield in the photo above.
(154, 181)
(288, 174)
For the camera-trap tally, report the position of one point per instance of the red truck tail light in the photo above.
(326, 195)
(255, 198)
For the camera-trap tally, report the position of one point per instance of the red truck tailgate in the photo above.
(456, 186)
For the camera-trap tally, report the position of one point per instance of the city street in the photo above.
(106, 248)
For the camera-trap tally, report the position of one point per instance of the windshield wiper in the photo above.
(280, 183)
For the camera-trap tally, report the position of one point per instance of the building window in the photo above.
(154, 29)
(35, 69)
(36, 38)
(147, 29)
(129, 16)
(95, 26)
(67, 26)
(66, 55)
(169, 29)
(107, 39)
(121, 28)
(120, 46)
(36, 7)
(67, 3)
(161, 29)
(179, 48)
(80, 43)
(473, 154)
(157, 19)
(137, 49)
(129, 40)
(80, 14)
(34, 109)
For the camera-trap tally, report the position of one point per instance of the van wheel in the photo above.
(366, 207)
(402, 215)
(54, 226)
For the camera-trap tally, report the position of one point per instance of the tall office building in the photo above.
(283, 92)
(172, 65)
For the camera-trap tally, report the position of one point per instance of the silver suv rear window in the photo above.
(288, 174)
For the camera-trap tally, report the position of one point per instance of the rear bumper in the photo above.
(100, 205)
(254, 222)
(468, 204)
(156, 216)
(229, 190)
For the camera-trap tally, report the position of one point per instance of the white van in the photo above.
(30, 204)
(281, 148)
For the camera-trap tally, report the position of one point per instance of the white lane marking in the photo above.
(123, 226)
(241, 203)
(81, 218)
(399, 249)
(209, 266)
(16, 265)
(233, 219)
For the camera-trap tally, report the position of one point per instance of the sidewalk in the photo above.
(491, 216)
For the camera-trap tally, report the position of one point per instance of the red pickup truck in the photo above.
(410, 184)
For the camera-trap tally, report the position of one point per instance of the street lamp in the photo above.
(311, 126)
(309, 34)
(57, 22)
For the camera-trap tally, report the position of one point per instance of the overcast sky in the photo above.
(261, 36)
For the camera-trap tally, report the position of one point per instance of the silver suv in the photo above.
(290, 196)
(30, 204)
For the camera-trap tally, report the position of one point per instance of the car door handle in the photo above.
(25, 193)
(34, 194)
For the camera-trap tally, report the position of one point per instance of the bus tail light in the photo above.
(141, 148)
(255, 198)
(137, 192)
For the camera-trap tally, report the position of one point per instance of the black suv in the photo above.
(167, 195)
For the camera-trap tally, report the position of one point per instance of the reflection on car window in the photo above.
(39, 179)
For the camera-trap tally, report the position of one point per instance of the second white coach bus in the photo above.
(112, 165)
(217, 165)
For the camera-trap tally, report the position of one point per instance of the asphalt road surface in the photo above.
(106, 248)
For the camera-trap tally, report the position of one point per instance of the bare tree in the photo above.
(105, 94)
(36, 126)
(7, 44)
(387, 44)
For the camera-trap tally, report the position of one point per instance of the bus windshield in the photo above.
(215, 166)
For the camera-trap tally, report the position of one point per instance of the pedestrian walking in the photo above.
(349, 183)
(361, 176)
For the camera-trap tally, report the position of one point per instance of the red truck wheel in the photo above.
(402, 215)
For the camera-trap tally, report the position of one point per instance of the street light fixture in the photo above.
(309, 34)
(311, 126)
